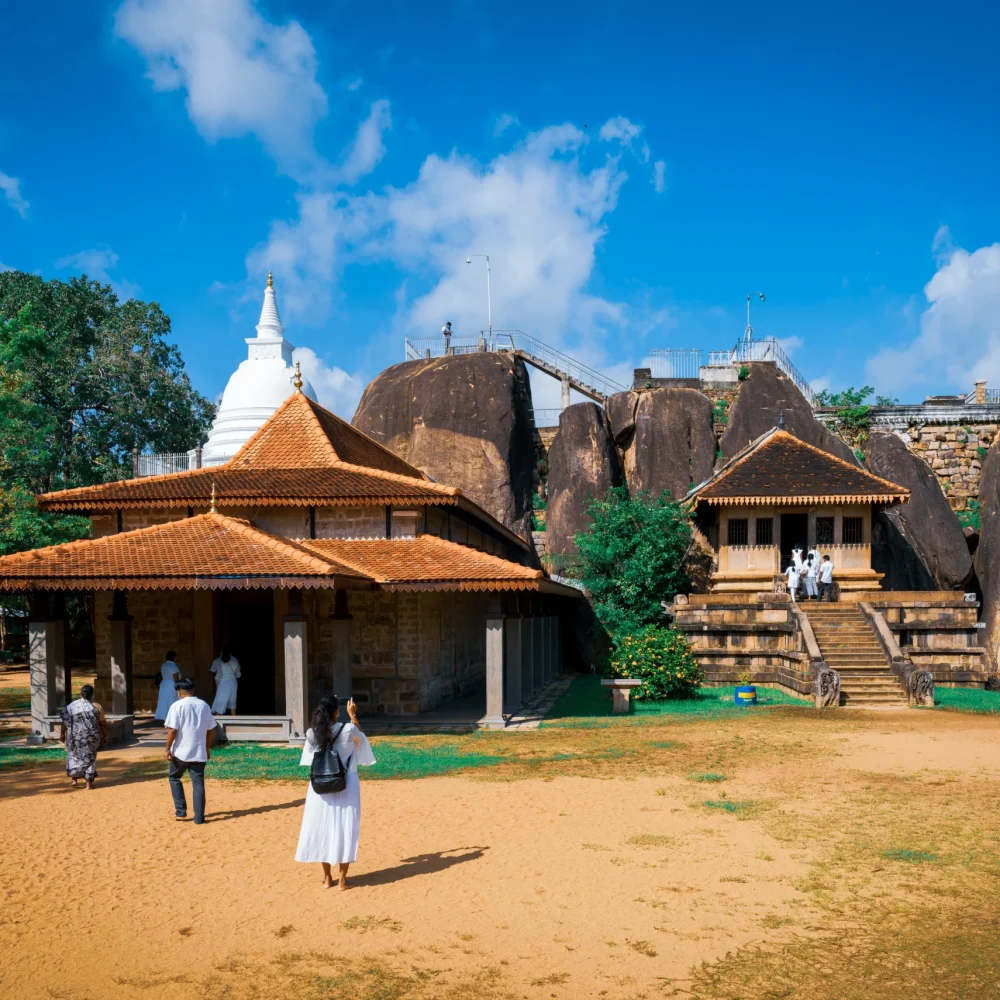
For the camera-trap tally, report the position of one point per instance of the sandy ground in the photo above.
(105, 896)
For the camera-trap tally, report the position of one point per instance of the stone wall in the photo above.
(955, 454)
(350, 522)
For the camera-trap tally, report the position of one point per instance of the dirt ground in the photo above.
(636, 881)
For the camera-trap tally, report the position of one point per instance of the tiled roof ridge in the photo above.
(777, 434)
(397, 477)
(231, 463)
(183, 474)
(311, 415)
(378, 578)
(488, 556)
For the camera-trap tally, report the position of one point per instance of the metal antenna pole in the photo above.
(489, 301)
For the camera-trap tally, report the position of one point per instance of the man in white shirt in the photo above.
(446, 333)
(826, 579)
(190, 734)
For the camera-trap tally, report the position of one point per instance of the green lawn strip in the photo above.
(24, 756)
(15, 699)
(974, 700)
(586, 703)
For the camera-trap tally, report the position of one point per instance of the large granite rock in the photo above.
(920, 545)
(758, 407)
(465, 420)
(583, 462)
(988, 552)
(665, 438)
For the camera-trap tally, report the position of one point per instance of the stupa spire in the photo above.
(270, 321)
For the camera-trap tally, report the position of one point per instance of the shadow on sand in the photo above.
(422, 864)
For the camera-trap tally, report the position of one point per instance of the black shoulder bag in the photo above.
(328, 772)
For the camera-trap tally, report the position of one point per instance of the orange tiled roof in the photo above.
(779, 468)
(426, 562)
(209, 550)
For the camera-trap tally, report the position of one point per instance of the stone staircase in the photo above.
(850, 646)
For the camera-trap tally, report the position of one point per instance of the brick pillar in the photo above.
(296, 665)
(494, 665)
(48, 668)
(512, 628)
(121, 655)
(981, 392)
(340, 665)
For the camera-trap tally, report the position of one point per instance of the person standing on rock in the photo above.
(446, 333)
(826, 579)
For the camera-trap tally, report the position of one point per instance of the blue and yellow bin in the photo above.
(746, 695)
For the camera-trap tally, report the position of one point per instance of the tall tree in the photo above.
(83, 380)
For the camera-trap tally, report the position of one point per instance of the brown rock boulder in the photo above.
(583, 462)
(988, 552)
(921, 545)
(758, 407)
(465, 420)
(665, 437)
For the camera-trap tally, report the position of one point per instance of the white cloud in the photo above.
(620, 129)
(96, 263)
(790, 344)
(503, 123)
(11, 188)
(355, 84)
(6, 267)
(335, 388)
(659, 176)
(959, 330)
(367, 150)
(242, 75)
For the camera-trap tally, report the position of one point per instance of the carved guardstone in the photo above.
(920, 688)
(827, 688)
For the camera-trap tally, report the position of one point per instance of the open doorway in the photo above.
(245, 620)
(794, 535)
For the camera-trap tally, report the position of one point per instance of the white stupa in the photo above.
(257, 388)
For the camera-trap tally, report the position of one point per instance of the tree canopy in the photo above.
(84, 379)
(632, 558)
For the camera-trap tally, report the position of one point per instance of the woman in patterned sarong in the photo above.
(83, 731)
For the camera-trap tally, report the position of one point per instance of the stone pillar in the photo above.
(49, 672)
(557, 667)
(296, 665)
(981, 392)
(494, 665)
(565, 392)
(121, 655)
(527, 659)
(340, 665)
(512, 628)
(538, 651)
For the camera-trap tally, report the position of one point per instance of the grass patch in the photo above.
(973, 700)
(284, 930)
(741, 810)
(650, 840)
(643, 948)
(586, 703)
(15, 699)
(27, 756)
(911, 857)
(555, 979)
(365, 924)
(711, 777)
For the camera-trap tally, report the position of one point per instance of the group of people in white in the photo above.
(813, 574)
(331, 821)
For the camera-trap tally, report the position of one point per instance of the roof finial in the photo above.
(781, 420)
(270, 280)
(211, 508)
(297, 381)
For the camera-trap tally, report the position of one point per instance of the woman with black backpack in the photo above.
(332, 818)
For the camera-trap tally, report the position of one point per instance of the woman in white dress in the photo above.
(169, 672)
(227, 672)
(331, 823)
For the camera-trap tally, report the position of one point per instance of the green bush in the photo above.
(661, 658)
(744, 373)
(538, 502)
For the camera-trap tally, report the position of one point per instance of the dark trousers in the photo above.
(176, 772)
(826, 591)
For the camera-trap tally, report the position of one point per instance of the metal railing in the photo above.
(767, 349)
(674, 362)
(546, 416)
(548, 359)
(164, 463)
(992, 397)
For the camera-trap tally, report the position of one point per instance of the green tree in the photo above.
(632, 557)
(83, 380)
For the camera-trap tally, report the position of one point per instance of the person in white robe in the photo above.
(797, 559)
(811, 576)
(331, 822)
(792, 575)
(169, 672)
(227, 672)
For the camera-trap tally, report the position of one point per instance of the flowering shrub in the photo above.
(661, 658)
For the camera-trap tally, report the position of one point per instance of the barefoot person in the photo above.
(331, 822)
(169, 675)
(190, 734)
(84, 731)
(227, 672)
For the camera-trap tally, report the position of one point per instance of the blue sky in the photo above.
(633, 173)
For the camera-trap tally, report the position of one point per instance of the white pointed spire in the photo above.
(270, 321)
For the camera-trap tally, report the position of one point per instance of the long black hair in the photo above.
(322, 719)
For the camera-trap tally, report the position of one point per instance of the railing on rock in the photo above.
(675, 362)
(767, 349)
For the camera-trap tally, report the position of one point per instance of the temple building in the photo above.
(323, 560)
(780, 494)
(257, 388)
